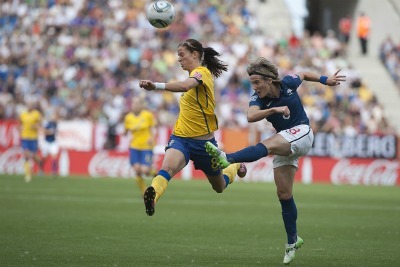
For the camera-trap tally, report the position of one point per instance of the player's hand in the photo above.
(284, 110)
(147, 85)
(335, 79)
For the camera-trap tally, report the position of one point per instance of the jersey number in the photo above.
(293, 131)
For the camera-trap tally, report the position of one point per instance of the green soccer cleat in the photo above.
(290, 250)
(217, 154)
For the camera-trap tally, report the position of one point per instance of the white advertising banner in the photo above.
(75, 135)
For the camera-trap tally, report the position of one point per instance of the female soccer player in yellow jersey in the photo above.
(196, 122)
(30, 122)
(140, 122)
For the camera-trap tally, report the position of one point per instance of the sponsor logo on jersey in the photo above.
(254, 98)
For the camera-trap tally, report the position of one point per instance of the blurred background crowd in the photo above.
(84, 59)
(390, 56)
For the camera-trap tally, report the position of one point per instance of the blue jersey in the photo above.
(52, 126)
(288, 97)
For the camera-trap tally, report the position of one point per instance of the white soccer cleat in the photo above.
(290, 250)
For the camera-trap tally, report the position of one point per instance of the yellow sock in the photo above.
(160, 185)
(141, 184)
(27, 169)
(231, 171)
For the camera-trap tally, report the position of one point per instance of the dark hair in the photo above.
(208, 56)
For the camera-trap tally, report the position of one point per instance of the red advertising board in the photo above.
(9, 133)
(92, 162)
(311, 169)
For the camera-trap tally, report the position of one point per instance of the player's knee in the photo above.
(283, 194)
(137, 171)
(218, 189)
(277, 145)
(145, 170)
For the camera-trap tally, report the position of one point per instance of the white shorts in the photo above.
(49, 148)
(301, 138)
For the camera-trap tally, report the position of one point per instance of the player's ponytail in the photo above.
(208, 56)
(211, 61)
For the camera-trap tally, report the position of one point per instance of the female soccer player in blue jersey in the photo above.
(277, 101)
(50, 145)
(196, 122)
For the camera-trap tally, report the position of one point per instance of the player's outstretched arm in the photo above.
(333, 80)
(181, 86)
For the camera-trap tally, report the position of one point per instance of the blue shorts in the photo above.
(142, 157)
(30, 145)
(195, 150)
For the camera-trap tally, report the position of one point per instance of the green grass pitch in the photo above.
(102, 222)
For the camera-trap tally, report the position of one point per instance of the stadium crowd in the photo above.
(84, 59)
(390, 57)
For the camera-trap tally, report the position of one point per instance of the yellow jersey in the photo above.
(141, 129)
(196, 116)
(30, 120)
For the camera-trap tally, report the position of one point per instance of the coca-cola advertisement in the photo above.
(9, 133)
(376, 172)
(104, 163)
(360, 160)
(11, 160)
(87, 136)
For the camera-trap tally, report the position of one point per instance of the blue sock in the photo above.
(289, 215)
(226, 178)
(248, 154)
(164, 174)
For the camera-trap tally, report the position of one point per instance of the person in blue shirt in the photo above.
(50, 145)
(277, 101)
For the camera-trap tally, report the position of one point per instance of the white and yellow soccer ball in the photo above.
(160, 14)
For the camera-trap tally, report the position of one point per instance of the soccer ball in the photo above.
(160, 14)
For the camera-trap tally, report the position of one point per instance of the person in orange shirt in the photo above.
(363, 29)
(345, 25)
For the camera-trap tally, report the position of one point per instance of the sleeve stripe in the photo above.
(199, 81)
